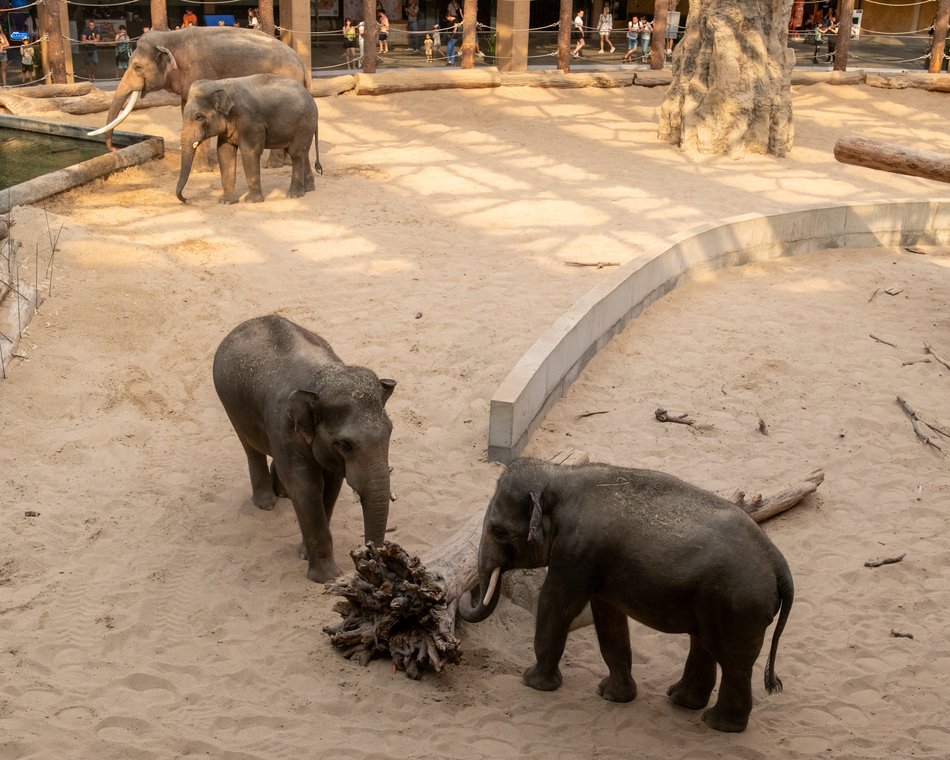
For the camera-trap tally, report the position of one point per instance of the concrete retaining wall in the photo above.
(549, 367)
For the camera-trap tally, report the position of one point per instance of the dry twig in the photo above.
(914, 419)
(936, 356)
(598, 264)
(664, 416)
(885, 560)
(881, 340)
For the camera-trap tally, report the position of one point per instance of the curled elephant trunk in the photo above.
(473, 607)
(129, 105)
(188, 149)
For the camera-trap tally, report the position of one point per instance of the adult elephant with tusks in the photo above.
(640, 544)
(174, 60)
(290, 397)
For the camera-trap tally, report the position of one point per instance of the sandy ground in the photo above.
(150, 611)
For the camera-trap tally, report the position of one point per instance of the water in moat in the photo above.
(26, 155)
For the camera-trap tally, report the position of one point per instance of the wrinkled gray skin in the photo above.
(250, 114)
(290, 397)
(174, 60)
(640, 544)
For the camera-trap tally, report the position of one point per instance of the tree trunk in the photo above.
(565, 22)
(941, 21)
(469, 33)
(53, 50)
(890, 157)
(846, 8)
(404, 606)
(731, 80)
(661, 12)
(159, 15)
(370, 36)
(265, 15)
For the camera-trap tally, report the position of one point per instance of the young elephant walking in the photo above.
(250, 114)
(290, 397)
(646, 545)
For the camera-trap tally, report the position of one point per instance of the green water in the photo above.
(27, 155)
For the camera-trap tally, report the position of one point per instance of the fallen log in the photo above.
(404, 606)
(416, 79)
(324, 87)
(55, 90)
(891, 157)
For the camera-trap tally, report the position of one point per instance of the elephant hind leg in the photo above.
(732, 708)
(613, 635)
(699, 677)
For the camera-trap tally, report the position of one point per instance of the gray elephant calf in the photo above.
(646, 545)
(250, 114)
(290, 397)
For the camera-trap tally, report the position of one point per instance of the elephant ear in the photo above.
(222, 102)
(535, 529)
(301, 411)
(166, 58)
(388, 386)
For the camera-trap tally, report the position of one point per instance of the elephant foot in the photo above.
(718, 719)
(296, 193)
(617, 689)
(253, 198)
(229, 200)
(264, 499)
(690, 698)
(538, 679)
(323, 570)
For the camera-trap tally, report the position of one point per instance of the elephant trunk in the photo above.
(189, 144)
(374, 497)
(474, 607)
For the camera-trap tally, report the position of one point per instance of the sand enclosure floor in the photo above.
(149, 611)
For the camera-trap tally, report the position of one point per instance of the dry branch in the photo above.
(664, 416)
(936, 356)
(403, 606)
(922, 437)
(885, 561)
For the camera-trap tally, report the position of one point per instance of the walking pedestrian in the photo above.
(605, 25)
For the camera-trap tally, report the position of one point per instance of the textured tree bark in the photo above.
(731, 80)
(469, 33)
(941, 21)
(565, 21)
(890, 157)
(265, 14)
(370, 36)
(661, 13)
(846, 13)
(159, 15)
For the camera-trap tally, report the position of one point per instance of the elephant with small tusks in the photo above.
(249, 114)
(641, 544)
(290, 397)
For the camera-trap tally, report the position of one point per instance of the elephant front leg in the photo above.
(556, 609)
(699, 678)
(227, 158)
(613, 636)
(307, 488)
(251, 159)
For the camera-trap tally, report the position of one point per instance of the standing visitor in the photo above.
(412, 25)
(605, 25)
(428, 45)
(577, 34)
(123, 51)
(26, 61)
(633, 38)
(89, 40)
(189, 19)
(451, 29)
(349, 43)
(646, 34)
(253, 22)
(383, 21)
(4, 44)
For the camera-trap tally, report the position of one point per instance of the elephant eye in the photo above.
(500, 533)
(343, 445)
(199, 117)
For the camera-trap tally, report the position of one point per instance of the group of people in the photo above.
(91, 39)
(448, 31)
(826, 31)
(639, 34)
(27, 59)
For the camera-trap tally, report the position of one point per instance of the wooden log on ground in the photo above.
(416, 79)
(891, 157)
(404, 607)
(657, 78)
(827, 77)
(903, 80)
(557, 79)
(324, 87)
(55, 90)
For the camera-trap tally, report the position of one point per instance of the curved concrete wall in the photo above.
(549, 367)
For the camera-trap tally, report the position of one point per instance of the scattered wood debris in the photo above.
(664, 416)
(935, 355)
(901, 634)
(881, 340)
(914, 419)
(591, 414)
(597, 264)
(885, 560)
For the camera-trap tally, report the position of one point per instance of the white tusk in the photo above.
(195, 144)
(491, 586)
(129, 105)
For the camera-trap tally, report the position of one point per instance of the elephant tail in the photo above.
(786, 590)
